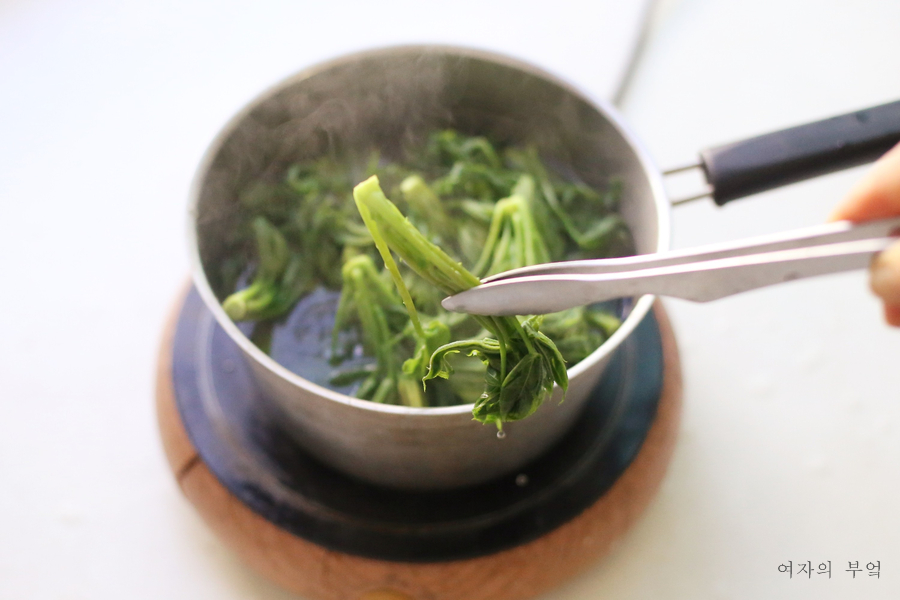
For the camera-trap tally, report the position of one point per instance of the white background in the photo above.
(790, 445)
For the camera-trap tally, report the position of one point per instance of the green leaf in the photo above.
(487, 409)
(524, 389)
(487, 349)
(437, 334)
(553, 360)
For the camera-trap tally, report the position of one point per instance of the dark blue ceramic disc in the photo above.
(238, 434)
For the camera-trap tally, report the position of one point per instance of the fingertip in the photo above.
(892, 314)
(876, 195)
(839, 214)
(884, 275)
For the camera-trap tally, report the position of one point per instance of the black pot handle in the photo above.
(775, 159)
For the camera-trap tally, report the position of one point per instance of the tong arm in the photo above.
(829, 233)
(699, 274)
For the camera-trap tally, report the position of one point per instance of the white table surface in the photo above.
(790, 444)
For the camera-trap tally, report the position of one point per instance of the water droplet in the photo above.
(521, 480)
(501, 434)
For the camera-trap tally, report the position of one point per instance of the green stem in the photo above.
(391, 266)
(423, 257)
(504, 340)
(493, 234)
(375, 325)
(522, 335)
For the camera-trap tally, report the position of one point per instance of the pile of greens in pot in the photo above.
(460, 208)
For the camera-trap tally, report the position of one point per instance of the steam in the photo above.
(391, 99)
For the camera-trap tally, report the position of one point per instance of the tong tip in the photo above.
(452, 304)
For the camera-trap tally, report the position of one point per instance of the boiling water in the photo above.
(301, 342)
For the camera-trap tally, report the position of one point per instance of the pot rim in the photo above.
(638, 312)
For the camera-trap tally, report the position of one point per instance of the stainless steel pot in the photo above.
(381, 99)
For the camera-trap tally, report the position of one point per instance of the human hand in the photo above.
(877, 196)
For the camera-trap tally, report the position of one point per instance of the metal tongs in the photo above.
(700, 274)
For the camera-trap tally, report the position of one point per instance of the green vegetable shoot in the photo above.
(465, 208)
(521, 364)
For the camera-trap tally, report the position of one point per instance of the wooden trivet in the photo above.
(523, 571)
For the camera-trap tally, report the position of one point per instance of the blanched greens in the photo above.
(466, 203)
(521, 364)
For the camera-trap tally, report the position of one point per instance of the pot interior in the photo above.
(386, 99)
